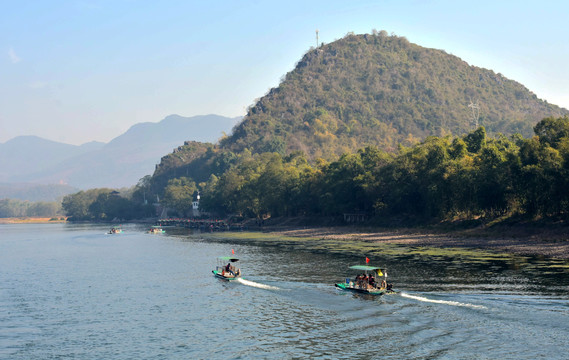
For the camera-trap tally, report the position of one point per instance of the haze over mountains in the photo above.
(119, 163)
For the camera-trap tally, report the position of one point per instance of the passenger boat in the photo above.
(115, 230)
(372, 281)
(225, 268)
(156, 230)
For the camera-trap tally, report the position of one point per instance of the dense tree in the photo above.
(440, 178)
(103, 205)
(551, 130)
(76, 206)
(20, 208)
(382, 91)
(375, 91)
(179, 195)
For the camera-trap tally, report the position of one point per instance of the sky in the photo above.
(87, 70)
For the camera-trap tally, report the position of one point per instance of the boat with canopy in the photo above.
(156, 230)
(115, 230)
(226, 268)
(372, 280)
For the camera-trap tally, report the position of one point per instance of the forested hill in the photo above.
(382, 90)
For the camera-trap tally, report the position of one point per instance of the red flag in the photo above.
(233, 251)
(367, 260)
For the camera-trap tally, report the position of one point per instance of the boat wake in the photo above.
(257, 285)
(446, 302)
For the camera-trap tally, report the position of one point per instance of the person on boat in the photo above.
(360, 280)
(229, 269)
(371, 281)
(365, 281)
(383, 284)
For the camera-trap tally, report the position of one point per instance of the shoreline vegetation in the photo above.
(32, 220)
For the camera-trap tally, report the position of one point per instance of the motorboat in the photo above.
(115, 230)
(156, 230)
(372, 280)
(226, 268)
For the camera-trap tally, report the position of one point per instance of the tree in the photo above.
(475, 140)
(550, 130)
(102, 204)
(77, 205)
(179, 194)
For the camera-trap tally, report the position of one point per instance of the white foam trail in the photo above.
(453, 303)
(257, 285)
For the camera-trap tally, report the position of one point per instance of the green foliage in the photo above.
(364, 124)
(179, 195)
(19, 208)
(475, 140)
(382, 91)
(102, 205)
(441, 178)
(257, 186)
(551, 130)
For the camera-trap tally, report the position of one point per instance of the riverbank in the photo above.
(31, 220)
(528, 241)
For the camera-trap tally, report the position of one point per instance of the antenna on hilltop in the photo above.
(475, 112)
(317, 38)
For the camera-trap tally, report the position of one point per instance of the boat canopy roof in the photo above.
(228, 258)
(365, 267)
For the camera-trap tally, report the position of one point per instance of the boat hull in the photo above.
(219, 275)
(378, 292)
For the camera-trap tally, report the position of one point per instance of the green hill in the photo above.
(361, 90)
(363, 96)
(382, 90)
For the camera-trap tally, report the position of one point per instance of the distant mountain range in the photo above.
(120, 163)
(35, 192)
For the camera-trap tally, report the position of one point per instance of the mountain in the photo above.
(383, 90)
(35, 192)
(28, 154)
(176, 129)
(119, 163)
(92, 146)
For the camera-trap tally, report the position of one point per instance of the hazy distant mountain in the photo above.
(92, 146)
(27, 154)
(120, 163)
(35, 192)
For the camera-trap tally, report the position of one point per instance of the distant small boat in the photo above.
(369, 282)
(229, 271)
(156, 230)
(115, 230)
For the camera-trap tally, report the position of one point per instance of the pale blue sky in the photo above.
(78, 71)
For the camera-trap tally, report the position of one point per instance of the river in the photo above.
(75, 292)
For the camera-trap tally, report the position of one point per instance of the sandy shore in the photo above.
(29, 220)
(544, 245)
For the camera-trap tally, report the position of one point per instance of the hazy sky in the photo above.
(78, 71)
